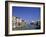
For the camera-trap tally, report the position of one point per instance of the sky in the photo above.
(27, 13)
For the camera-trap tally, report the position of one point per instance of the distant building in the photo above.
(17, 22)
(14, 22)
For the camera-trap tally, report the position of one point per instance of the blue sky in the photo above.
(27, 13)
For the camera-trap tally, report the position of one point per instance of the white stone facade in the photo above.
(17, 22)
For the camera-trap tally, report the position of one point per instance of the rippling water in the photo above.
(26, 27)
